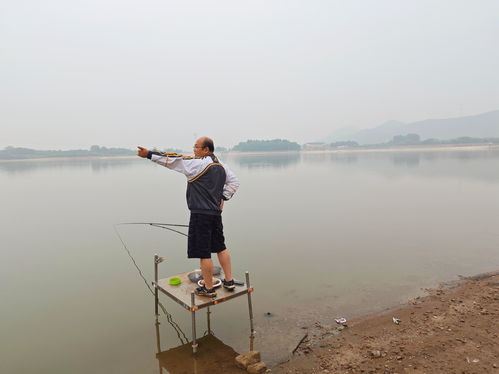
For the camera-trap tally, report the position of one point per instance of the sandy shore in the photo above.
(454, 329)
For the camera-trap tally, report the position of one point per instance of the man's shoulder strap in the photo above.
(214, 158)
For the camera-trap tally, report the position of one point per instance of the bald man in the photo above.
(209, 184)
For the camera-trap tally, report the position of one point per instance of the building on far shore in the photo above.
(315, 146)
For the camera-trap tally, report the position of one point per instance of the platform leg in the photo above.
(208, 313)
(195, 365)
(193, 313)
(158, 341)
(156, 302)
(156, 292)
(250, 309)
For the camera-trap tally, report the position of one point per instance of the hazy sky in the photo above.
(157, 73)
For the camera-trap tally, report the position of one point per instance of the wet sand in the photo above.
(454, 329)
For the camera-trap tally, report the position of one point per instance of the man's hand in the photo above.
(142, 152)
(222, 204)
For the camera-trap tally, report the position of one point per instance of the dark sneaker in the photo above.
(229, 284)
(202, 291)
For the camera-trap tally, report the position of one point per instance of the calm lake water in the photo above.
(323, 235)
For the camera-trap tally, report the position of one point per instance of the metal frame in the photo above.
(192, 307)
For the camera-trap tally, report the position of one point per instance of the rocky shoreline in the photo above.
(454, 329)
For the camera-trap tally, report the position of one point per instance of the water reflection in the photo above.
(266, 160)
(315, 157)
(101, 165)
(470, 164)
(96, 165)
(213, 356)
(344, 158)
(407, 160)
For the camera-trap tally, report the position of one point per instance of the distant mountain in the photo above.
(485, 125)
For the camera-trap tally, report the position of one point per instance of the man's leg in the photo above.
(207, 271)
(224, 259)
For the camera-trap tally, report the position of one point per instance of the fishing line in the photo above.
(169, 318)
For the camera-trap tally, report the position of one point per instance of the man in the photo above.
(209, 184)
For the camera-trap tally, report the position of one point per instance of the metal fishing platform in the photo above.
(184, 295)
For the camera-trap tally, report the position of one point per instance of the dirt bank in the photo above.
(455, 329)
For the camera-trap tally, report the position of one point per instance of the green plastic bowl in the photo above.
(175, 281)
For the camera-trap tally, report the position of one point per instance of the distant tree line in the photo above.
(266, 146)
(415, 139)
(409, 139)
(18, 153)
(462, 140)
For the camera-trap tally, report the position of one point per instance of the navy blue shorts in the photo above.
(206, 235)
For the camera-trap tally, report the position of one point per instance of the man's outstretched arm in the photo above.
(145, 153)
(189, 166)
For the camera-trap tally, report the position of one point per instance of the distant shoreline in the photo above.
(412, 148)
(366, 149)
(444, 147)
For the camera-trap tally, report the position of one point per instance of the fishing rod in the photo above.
(159, 225)
(153, 223)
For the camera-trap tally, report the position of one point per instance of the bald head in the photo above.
(203, 147)
(208, 143)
